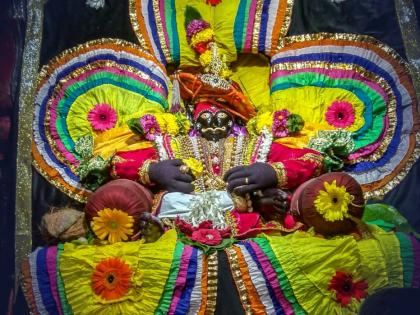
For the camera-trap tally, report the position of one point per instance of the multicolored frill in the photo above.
(294, 274)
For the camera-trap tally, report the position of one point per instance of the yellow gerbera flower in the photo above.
(112, 224)
(333, 202)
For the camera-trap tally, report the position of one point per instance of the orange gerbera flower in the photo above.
(112, 224)
(111, 278)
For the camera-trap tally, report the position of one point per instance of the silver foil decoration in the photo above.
(95, 4)
(30, 64)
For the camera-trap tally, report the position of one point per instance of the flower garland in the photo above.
(346, 289)
(93, 170)
(282, 123)
(200, 36)
(159, 142)
(152, 125)
(206, 206)
(111, 279)
(333, 202)
(265, 145)
(113, 225)
(195, 166)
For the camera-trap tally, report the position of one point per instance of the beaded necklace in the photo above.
(217, 156)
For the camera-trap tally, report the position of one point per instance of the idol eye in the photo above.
(205, 115)
(221, 115)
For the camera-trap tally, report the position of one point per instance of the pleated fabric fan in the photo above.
(86, 93)
(356, 84)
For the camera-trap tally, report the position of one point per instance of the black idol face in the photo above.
(214, 126)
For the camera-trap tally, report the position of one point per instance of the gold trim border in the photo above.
(23, 188)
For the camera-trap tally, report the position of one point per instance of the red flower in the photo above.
(208, 224)
(213, 2)
(225, 233)
(201, 47)
(184, 227)
(346, 289)
(207, 236)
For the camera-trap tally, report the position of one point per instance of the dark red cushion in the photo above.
(304, 197)
(121, 194)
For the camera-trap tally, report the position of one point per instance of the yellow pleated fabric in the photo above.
(118, 139)
(150, 264)
(252, 72)
(311, 262)
(312, 102)
(390, 248)
(301, 140)
(222, 23)
(126, 103)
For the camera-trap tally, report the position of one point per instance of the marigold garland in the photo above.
(205, 58)
(111, 279)
(333, 202)
(195, 166)
(203, 36)
(172, 127)
(113, 225)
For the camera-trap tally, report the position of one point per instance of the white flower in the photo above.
(206, 206)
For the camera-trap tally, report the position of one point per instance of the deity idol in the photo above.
(219, 155)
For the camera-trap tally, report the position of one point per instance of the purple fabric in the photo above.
(182, 278)
(416, 254)
(52, 274)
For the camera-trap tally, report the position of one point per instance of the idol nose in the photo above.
(214, 122)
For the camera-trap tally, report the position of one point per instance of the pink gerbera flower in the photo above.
(340, 114)
(102, 117)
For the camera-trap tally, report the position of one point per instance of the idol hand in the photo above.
(272, 203)
(245, 179)
(169, 176)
